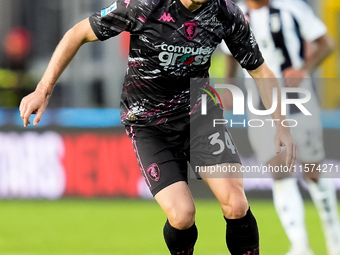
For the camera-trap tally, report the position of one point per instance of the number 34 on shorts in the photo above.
(221, 144)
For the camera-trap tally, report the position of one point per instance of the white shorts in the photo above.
(308, 136)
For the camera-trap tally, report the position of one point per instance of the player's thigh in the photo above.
(262, 141)
(229, 191)
(308, 135)
(311, 171)
(279, 172)
(178, 205)
(159, 156)
(309, 140)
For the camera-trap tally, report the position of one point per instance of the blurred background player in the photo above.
(15, 81)
(283, 29)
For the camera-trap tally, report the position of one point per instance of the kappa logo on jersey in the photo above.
(166, 17)
(109, 9)
(154, 172)
(190, 29)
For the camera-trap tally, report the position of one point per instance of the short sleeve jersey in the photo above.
(169, 45)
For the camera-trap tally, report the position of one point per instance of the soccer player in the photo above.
(283, 28)
(172, 42)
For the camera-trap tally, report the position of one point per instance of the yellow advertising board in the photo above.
(331, 67)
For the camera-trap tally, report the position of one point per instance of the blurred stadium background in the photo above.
(72, 185)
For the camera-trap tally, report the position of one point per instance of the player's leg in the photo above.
(321, 188)
(289, 206)
(288, 202)
(212, 150)
(287, 198)
(242, 235)
(214, 154)
(180, 232)
(164, 167)
(323, 194)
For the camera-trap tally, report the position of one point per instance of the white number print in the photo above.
(214, 139)
(229, 143)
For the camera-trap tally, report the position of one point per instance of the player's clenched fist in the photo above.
(34, 103)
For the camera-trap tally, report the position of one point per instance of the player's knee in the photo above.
(311, 179)
(235, 209)
(182, 218)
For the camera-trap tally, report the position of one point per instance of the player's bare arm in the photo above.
(266, 81)
(321, 48)
(37, 101)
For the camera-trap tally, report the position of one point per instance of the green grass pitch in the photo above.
(119, 227)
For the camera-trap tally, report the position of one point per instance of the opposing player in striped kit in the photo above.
(283, 28)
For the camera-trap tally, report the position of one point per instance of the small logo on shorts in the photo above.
(154, 172)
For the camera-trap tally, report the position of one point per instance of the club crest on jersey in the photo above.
(154, 172)
(109, 9)
(190, 29)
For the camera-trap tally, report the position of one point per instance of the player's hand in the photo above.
(283, 138)
(34, 103)
(293, 77)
